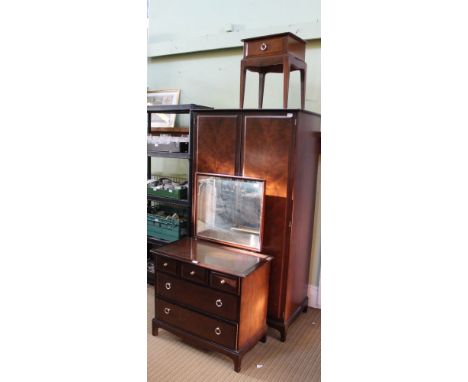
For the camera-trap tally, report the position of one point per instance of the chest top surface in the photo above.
(213, 256)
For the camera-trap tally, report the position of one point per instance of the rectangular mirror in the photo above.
(229, 210)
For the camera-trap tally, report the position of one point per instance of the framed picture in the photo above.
(163, 97)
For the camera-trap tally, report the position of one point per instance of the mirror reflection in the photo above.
(230, 210)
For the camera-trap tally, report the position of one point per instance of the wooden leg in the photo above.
(305, 305)
(237, 363)
(283, 335)
(286, 70)
(303, 87)
(242, 85)
(264, 338)
(261, 88)
(154, 328)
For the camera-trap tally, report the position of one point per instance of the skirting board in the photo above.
(313, 294)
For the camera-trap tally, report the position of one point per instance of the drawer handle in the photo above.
(263, 47)
(165, 265)
(218, 331)
(167, 310)
(223, 281)
(219, 303)
(192, 273)
(168, 286)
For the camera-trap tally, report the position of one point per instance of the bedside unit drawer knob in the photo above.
(219, 303)
(165, 265)
(168, 286)
(223, 281)
(167, 310)
(218, 331)
(263, 47)
(192, 273)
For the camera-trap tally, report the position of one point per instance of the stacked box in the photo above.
(171, 193)
(166, 228)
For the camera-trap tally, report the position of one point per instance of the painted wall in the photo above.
(212, 77)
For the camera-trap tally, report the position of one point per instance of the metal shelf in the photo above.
(174, 202)
(156, 154)
(182, 109)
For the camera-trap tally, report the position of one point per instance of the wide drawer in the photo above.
(167, 265)
(205, 299)
(265, 47)
(209, 328)
(225, 283)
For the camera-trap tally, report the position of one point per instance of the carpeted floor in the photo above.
(298, 359)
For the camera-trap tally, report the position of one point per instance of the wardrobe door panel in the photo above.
(217, 141)
(266, 155)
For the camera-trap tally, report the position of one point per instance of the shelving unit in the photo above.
(152, 242)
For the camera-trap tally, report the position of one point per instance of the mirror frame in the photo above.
(228, 243)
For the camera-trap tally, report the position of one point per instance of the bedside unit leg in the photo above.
(155, 329)
(237, 364)
(263, 339)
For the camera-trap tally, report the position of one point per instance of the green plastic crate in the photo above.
(172, 194)
(165, 229)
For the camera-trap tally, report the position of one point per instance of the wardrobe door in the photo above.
(266, 154)
(217, 141)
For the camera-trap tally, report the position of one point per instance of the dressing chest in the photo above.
(213, 296)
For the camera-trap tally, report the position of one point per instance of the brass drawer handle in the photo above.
(168, 286)
(218, 331)
(219, 303)
(223, 281)
(167, 310)
(263, 47)
(192, 273)
(165, 265)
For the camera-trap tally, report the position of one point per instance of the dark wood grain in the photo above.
(224, 282)
(209, 328)
(205, 299)
(253, 309)
(216, 142)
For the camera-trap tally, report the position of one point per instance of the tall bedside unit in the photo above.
(181, 205)
(282, 147)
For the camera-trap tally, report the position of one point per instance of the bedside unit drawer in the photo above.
(221, 304)
(225, 283)
(164, 264)
(209, 328)
(265, 47)
(194, 273)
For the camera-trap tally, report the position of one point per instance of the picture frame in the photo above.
(163, 97)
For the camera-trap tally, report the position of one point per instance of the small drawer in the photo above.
(207, 300)
(166, 265)
(225, 283)
(265, 47)
(194, 273)
(209, 328)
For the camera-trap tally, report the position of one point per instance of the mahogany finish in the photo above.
(218, 331)
(280, 53)
(282, 147)
(228, 313)
(205, 299)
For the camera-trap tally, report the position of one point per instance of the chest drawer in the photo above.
(207, 300)
(225, 283)
(265, 47)
(209, 328)
(194, 273)
(167, 265)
